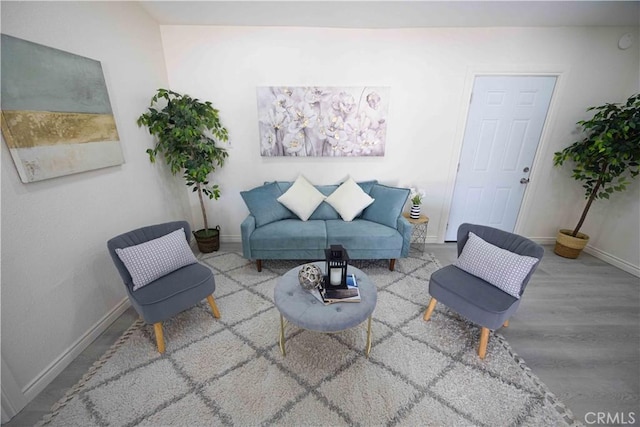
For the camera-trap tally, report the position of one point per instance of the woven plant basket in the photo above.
(568, 246)
(207, 244)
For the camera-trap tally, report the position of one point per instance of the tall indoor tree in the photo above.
(603, 160)
(187, 132)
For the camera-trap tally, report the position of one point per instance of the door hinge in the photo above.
(471, 98)
(458, 169)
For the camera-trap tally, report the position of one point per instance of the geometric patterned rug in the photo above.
(230, 371)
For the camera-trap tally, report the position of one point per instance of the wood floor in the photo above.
(577, 328)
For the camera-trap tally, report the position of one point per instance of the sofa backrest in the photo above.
(325, 211)
(386, 208)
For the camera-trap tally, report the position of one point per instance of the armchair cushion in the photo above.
(501, 268)
(302, 198)
(155, 258)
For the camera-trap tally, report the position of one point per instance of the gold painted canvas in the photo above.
(56, 114)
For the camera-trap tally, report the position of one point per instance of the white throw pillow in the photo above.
(151, 260)
(349, 199)
(302, 198)
(503, 269)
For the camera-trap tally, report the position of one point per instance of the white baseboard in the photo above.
(613, 260)
(598, 253)
(54, 369)
(544, 240)
(235, 238)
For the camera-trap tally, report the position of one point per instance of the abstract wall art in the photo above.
(56, 114)
(323, 121)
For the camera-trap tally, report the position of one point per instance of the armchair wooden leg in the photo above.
(392, 264)
(484, 340)
(432, 305)
(259, 265)
(506, 323)
(214, 307)
(157, 327)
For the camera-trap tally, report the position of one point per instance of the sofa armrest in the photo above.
(246, 229)
(405, 228)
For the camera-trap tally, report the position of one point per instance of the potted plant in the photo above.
(416, 201)
(603, 160)
(186, 132)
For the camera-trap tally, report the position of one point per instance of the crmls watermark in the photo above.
(616, 418)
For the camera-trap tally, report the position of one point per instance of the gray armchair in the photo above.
(474, 298)
(170, 294)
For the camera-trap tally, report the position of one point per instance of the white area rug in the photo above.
(230, 371)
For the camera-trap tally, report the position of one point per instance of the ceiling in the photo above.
(396, 14)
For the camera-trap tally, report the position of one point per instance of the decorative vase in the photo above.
(415, 212)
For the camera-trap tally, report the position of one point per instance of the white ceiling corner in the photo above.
(396, 14)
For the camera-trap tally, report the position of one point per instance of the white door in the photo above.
(503, 130)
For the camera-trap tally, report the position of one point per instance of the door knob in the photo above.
(524, 181)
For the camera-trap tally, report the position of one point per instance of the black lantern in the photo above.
(337, 261)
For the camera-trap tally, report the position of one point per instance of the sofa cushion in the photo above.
(290, 234)
(362, 234)
(325, 210)
(504, 269)
(302, 198)
(264, 206)
(349, 199)
(388, 205)
(155, 258)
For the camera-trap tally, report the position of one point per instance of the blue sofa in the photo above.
(271, 231)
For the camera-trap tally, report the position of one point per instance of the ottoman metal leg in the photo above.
(284, 353)
(368, 348)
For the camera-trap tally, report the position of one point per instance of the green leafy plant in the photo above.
(608, 154)
(187, 131)
(416, 196)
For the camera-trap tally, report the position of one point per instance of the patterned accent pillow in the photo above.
(349, 200)
(151, 260)
(302, 198)
(504, 269)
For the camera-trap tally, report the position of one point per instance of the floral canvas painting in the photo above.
(323, 121)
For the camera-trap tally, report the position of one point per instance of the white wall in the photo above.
(59, 286)
(430, 72)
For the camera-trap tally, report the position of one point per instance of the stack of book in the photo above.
(330, 296)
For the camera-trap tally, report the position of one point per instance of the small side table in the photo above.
(419, 232)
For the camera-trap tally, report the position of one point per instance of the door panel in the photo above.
(505, 121)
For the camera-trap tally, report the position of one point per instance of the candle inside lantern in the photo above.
(335, 276)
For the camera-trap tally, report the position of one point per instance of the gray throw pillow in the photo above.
(503, 269)
(151, 260)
